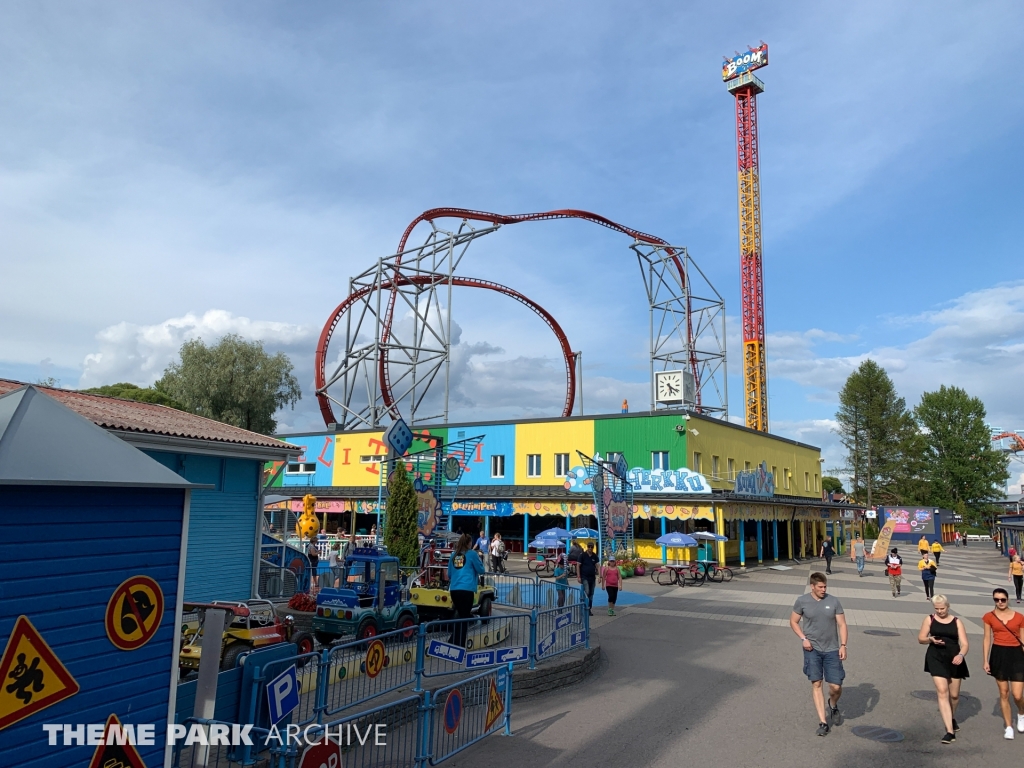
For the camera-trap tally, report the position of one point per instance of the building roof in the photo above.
(152, 419)
(43, 442)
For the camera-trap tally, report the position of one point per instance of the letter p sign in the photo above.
(282, 695)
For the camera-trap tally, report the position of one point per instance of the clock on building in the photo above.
(668, 386)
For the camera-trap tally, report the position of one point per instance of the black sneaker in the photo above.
(956, 727)
(823, 729)
(835, 715)
(949, 738)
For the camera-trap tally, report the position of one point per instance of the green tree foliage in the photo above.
(127, 391)
(965, 471)
(401, 530)
(234, 381)
(885, 449)
(832, 484)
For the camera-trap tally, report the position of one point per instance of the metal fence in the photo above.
(457, 645)
(362, 670)
(529, 592)
(561, 629)
(461, 714)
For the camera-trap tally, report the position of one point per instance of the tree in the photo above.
(401, 528)
(127, 391)
(831, 484)
(884, 446)
(234, 381)
(965, 470)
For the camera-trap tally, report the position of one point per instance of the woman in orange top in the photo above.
(1004, 656)
(1016, 574)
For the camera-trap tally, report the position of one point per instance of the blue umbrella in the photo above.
(676, 540)
(553, 533)
(705, 536)
(546, 543)
(583, 533)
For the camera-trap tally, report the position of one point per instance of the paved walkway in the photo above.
(711, 675)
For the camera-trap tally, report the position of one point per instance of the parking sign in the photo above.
(283, 695)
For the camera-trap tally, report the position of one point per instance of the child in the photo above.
(611, 580)
(561, 579)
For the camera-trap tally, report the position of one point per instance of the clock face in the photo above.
(669, 385)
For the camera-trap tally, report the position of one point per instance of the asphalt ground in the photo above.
(676, 686)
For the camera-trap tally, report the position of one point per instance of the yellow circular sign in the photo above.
(375, 658)
(134, 613)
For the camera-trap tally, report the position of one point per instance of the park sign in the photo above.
(674, 481)
(741, 63)
(755, 482)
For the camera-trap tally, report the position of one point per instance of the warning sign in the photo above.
(116, 755)
(495, 706)
(134, 613)
(31, 676)
(375, 658)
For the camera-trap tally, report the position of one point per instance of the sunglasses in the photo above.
(1000, 599)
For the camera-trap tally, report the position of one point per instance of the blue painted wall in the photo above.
(106, 536)
(499, 439)
(319, 450)
(222, 524)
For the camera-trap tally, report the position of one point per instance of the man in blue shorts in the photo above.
(818, 620)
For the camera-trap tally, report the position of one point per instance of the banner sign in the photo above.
(673, 481)
(479, 508)
(918, 521)
(755, 482)
(755, 58)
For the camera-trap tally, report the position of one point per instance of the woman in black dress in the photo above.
(945, 660)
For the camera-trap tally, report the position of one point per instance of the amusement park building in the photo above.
(517, 474)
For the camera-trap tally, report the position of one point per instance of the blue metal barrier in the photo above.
(361, 670)
(560, 630)
(528, 592)
(461, 714)
(309, 671)
(499, 639)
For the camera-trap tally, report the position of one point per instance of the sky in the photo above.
(193, 169)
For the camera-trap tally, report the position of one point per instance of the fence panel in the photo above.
(198, 755)
(527, 592)
(309, 669)
(461, 714)
(364, 669)
(500, 639)
(560, 630)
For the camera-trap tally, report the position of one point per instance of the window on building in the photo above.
(807, 481)
(746, 466)
(731, 469)
(533, 465)
(785, 477)
(301, 468)
(714, 466)
(561, 464)
(372, 459)
(817, 487)
(659, 460)
(497, 466)
(696, 462)
(775, 476)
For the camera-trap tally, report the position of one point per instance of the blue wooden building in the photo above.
(92, 559)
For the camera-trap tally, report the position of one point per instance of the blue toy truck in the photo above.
(370, 599)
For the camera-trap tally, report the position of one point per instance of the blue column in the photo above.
(741, 526)
(775, 538)
(664, 550)
(526, 533)
(759, 543)
(487, 528)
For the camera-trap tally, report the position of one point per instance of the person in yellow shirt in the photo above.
(923, 546)
(1016, 574)
(937, 550)
(927, 566)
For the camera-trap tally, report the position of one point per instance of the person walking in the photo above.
(1016, 574)
(483, 547)
(464, 572)
(611, 580)
(818, 620)
(588, 575)
(928, 567)
(1004, 659)
(561, 579)
(333, 562)
(956, 540)
(945, 660)
(827, 552)
(937, 550)
(894, 570)
(859, 553)
(497, 554)
(923, 545)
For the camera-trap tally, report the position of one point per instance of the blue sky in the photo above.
(196, 169)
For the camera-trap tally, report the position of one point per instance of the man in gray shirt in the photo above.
(818, 620)
(859, 553)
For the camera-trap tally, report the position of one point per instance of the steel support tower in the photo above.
(745, 87)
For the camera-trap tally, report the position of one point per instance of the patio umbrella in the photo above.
(547, 543)
(583, 533)
(705, 536)
(553, 533)
(676, 540)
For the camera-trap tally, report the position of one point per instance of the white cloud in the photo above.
(140, 353)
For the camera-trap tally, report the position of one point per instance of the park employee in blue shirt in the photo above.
(464, 571)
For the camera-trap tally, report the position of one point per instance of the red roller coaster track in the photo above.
(466, 282)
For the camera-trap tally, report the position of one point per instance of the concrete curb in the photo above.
(562, 671)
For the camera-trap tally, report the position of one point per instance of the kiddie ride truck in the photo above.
(429, 590)
(372, 599)
(249, 626)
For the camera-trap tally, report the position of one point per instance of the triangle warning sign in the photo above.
(495, 706)
(32, 678)
(115, 755)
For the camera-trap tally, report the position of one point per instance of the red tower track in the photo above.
(466, 282)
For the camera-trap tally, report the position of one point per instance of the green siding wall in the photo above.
(637, 438)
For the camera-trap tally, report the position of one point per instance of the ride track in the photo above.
(398, 279)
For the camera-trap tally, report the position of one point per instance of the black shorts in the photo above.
(613, 593)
